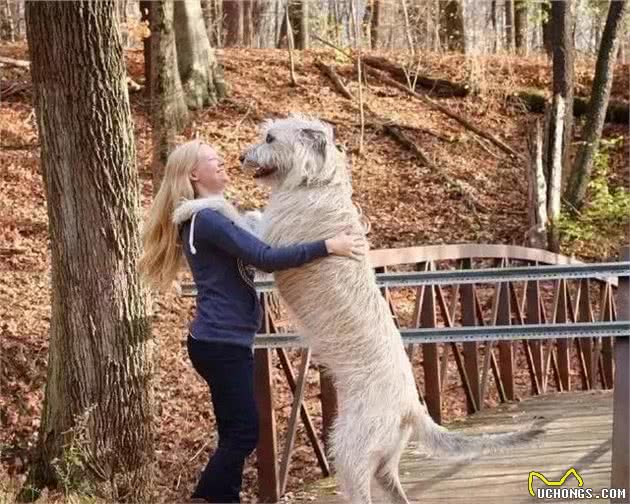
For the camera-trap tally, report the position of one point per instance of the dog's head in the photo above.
(296, 152)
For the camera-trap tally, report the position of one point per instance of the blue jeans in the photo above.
(229, 371)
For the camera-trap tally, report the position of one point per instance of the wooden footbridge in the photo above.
(483, 325)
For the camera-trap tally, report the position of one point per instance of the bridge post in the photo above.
(266, 451)
(620, 477)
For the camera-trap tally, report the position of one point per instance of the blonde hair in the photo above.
(162, 254)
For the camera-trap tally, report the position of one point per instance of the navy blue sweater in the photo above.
(228, 309)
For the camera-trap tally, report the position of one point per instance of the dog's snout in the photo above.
(241, 158)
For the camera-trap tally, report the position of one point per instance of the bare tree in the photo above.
(452, 25)
(545, 20)
(561, 120)
(200, 73)
(374, 23)
(520, 26)
(169, 111)
(298, 17)
(232, 23)
(213, 19)
(509, 25)
(99, 396)
(8, 23)
(600, 93)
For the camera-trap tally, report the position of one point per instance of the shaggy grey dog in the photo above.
(344, 318)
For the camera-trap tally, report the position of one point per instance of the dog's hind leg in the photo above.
(387, 472)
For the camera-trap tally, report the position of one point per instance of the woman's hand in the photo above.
(347, 245)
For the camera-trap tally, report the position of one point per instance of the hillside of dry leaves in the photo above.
(407, 204)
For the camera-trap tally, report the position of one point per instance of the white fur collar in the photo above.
(187, 208)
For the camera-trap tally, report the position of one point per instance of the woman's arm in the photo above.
(212, 228)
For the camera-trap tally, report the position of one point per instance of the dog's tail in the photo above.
(441, 443)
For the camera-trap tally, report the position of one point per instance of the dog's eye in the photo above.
(340, 148)
(269, 138)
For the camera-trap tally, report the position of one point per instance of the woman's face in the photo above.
(209, 175)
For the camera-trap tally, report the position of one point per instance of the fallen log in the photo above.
(428, 101)
(535, 101)
(439, 87)
(343, 90)
(333, 76)
(5, 61)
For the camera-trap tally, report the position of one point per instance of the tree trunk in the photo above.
(232, 22)
(250, 14)
(98, 413)
(545, 20)
(509, 25)
(382, 23)
(169, 112)
(209, 17)
(452, 26)
(563, 54)
(145, 17)
(298, 15)
(600, 93)
(520, 26)
(536, 235)
(200, 73)
(375, 23)
(298, 18)
(304, 25)
(493, 22)
(556, 130)
(9, 25)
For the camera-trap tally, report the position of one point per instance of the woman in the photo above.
(220, 253)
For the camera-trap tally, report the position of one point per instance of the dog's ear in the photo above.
(332, 128)
(315, 138)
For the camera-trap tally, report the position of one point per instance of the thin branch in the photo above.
(357, 41)
(290, 45)
(333, 46)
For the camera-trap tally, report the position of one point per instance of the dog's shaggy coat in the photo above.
(345, 319)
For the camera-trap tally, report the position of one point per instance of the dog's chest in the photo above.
(298, 224)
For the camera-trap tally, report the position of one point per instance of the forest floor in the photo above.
(407, 204)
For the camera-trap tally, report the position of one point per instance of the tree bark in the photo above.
(298, 16)
(545, 20)
(562, 22)
(145, 17)
(536, 236)
(600, 94)
(200, 73)
(101, 353)
(556, 130)
(209, 20)
(375, 23)
(169, 112)
(452, 26)
(520, 26)
(493, 22)
(9, 25)
(250, 14)
(509, 25)
(231, 23)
